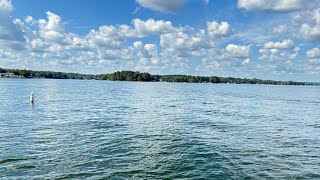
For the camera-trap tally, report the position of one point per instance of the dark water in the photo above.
(127, 130)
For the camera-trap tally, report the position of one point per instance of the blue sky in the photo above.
(268, 39)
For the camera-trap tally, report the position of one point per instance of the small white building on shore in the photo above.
(8, 75)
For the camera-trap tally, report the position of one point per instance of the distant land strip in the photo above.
(142, 77)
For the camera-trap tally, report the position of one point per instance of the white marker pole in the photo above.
(31, 98)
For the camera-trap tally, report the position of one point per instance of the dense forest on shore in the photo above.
(146, 77)
(45, 74)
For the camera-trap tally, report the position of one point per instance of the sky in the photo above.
(266, 39)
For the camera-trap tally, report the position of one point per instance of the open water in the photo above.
(134, 130)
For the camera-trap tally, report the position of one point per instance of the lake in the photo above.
(135, 130)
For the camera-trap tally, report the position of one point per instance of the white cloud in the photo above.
(50, 42)
(37, 45)
(78, 43)
(55, 48)
(285, 44)
(251, 4)
(173, 49)
(116, 54)
(30, 20)
(11, 34)
(181, 46)
(115, 36)
(53, 24)
(246, 61)
(10, 31)
(53, 29)
(106, 36)
(152, 50)
(279, 30)
(216, 29)
(148, 54)
(279, 50)
(8, 55)
(311, 31)
(151, 27)
(26, 31)
(315, 63)
(238, 51)
(180, 40)
(171, 6)
(137, 44)
(84, 57)
(313, 53)
(295, 53)
(186, 45)
(277, 5)
(5, 6)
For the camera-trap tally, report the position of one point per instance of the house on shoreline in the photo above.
(8, 75)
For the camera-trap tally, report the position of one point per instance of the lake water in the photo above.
(132, 130)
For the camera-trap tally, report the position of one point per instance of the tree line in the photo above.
(45, 74)
(128, 76)
(228, 80)
(146, 77)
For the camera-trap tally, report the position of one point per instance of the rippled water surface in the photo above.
(124, 130)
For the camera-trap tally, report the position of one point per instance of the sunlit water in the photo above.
(131, 130)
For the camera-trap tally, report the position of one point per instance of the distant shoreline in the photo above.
(315, 85)
(13, 78)
(143, 77)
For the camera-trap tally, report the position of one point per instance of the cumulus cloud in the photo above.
(11, 34)
(53, 24)
(277, 5)
(246, 61)
(181, 44)
(8, 55)
(279, 50)
(216, 29)
(238, 51)
(10, 31)
(285, 44)
(181, 40)
(279, 30)
(48, 40)
(151, 27)
(37, 45)
(176, 49)
(5, 6)
(116, 54)
(148, 54)
(311, 31)
(315, 63)
(106, 36)
(30, 20)
(115, 36)
(169, 6)
(110, 41)
(52, 29)
(313, 53)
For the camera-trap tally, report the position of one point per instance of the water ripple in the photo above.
(127, 130)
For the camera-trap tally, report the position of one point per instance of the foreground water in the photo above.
(101, 129)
